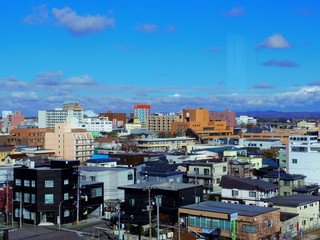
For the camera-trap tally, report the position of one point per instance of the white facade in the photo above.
(112, 178)
(6, 113)
(245, 120)
(97, 125)
(249, 197)
(48, 118)
(303, 157)
(262, 143)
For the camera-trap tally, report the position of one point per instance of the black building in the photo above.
(40, 192)
(173, 196)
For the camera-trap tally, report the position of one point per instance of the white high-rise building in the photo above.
(303, 157)
(96, 124)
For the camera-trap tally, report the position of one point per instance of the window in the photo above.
(48, 183)
(265, 224)
(130, 176)
(26, 213)
(235, 170)
(26, 183)
(84, 178)
(206, 171)
(305, 206)
(33, 198)
(18, 182)
(218, 180)
(48, 198)
(66, 182)
(250, 228)
(92, 178)
(224, 169)
(33, 183)
(294, 161)
(26, 197)
(65, 196)
(286, 183)
(246, 170)
(96, 192)
(66, 213)
(235, 193)
(196, 170)
(197, 199)
(18, 196)
(252, 194)
(132, 202)
(286, 194)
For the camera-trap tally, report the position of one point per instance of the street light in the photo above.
(60, 212)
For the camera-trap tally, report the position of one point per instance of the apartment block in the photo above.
(161, 123)
(142, 112)
(228, 116)
(70, 144)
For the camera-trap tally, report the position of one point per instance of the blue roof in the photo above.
(102, 160)
(270, 162)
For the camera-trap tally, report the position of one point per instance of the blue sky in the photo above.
(110, 55)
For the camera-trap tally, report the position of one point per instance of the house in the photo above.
(206, 172)
(102, 162)
(247, 191)
(173, 195)
(238, 169)
(5, 150)
(306, 206)
(161, 172)
(290, 183)
(112, 177)
(238, 220)
(45, 191)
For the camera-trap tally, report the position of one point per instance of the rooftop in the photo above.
(103, 169)
(162, 186)
(231, 182)
(229, 208)
(294, 200)
(284, 176)
(102, 160)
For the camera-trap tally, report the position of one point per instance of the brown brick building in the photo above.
(118, 119)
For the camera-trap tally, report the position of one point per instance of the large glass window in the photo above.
(65, 196)
(33, 198)
(206, 222)
(252, 194)
(96, 192)
(48, 183)
(26, 197)
(132, 202)
(250, 228)
(33, 183)
(235, 193)
(26, 183)
(66, 182)
(48, 198)
(18, 182)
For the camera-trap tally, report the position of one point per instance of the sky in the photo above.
(112, 54)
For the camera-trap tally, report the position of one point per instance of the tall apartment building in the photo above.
(228, 116)
(142, 112)
(161, 123)
(303, 157)
(69, 144)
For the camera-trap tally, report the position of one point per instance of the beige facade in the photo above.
(70, 145)
(161, 123)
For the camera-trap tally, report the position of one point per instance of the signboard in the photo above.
(233, 217)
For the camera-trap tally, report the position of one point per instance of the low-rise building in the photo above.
(165, 144)
(245, 221)
(207, 173)
(306, 206)
(238, 169)
(262, 143)
(247, 191)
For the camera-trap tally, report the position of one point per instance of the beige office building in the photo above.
(70, 144)
(161, 123)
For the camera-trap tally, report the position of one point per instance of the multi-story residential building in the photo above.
(290, 184)
(197, 122)
(142, 112)
(247, 191)
(12, 121)
(112, 178)
(118, 119)
(245, 120)
(306, 206)
(33, 137)
(69, 144)
(96, 125)
(165, 144)
(303, 154)
(70, 113)
(206, 172)
(237, 220)
(172, 196)
(134, 123)
(42, 189)
(161, 172)
(228, 116)
(238, 169)
(161, 122)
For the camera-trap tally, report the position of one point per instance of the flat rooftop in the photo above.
(228, 208)
(160, 186)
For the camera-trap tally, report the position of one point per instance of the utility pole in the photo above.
(20, 211)
(119, 224)
(150, 211)
(158, 199)
(78, 195)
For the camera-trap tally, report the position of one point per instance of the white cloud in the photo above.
(147, 28)
(79, 25)
(275, 41)
(84, 79)
(50, 74)
(40, 15)
(12, 82)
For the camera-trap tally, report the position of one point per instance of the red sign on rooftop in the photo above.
(142, 106)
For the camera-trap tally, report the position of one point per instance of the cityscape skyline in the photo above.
(237, 55)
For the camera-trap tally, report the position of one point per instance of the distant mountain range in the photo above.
(277, 114)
